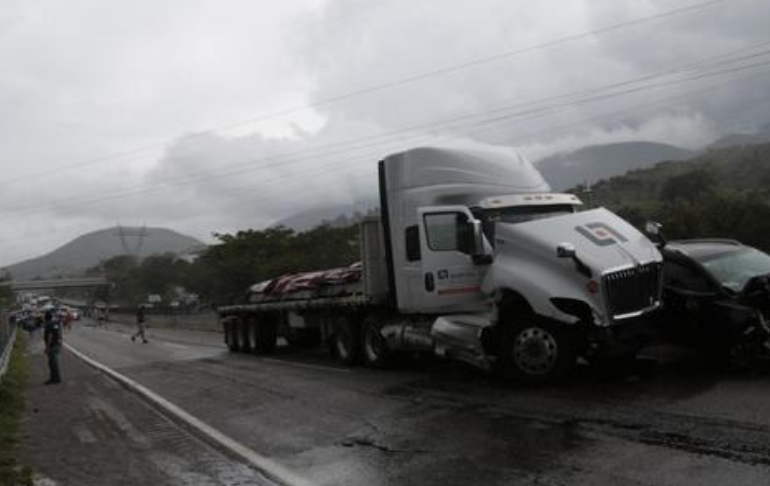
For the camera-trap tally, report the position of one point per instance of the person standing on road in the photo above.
(52, 336)
(140, 324)
(67, 319)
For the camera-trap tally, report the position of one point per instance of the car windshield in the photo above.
(735, 268)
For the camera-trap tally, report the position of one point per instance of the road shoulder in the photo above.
(90, 431)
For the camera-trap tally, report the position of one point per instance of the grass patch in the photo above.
(11, 406)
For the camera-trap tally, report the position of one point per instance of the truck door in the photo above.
(451, 279)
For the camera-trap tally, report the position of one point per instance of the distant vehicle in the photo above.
(472, 258)
(717, 297)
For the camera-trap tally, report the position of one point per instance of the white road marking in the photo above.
(294, 364)
(271, 469)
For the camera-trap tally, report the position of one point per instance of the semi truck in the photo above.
(473, 258)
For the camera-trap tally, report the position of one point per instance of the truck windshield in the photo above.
(733, 269)
(520, 214)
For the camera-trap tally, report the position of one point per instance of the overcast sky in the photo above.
(206, 116)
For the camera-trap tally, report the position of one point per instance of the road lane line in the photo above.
(306, 366)
(269, 468)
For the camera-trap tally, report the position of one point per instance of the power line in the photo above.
(75, 202)
(342, 163)
(391, 84)
(571, 99)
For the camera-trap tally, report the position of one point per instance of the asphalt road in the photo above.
(433, 423)
(89, 431)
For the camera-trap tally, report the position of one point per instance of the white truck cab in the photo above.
(473, 258)
(476, 237)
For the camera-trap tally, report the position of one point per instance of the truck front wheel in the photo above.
(536, 352)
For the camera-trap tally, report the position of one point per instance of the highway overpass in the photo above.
(65, 283)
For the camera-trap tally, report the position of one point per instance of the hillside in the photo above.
(592, 163)
(722, 193)
(337, 216)
(732, 168)
(89, 249)
(762, 135)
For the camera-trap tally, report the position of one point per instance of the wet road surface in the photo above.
(89, 431)
(442, 424)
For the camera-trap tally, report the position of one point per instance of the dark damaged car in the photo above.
(717, 298)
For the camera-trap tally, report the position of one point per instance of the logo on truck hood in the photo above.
(600, 234)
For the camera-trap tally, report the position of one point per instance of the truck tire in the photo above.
(248, 335)
(536, 352)
(232, 334)
(346, 343)
(375, 348)
(266, 333)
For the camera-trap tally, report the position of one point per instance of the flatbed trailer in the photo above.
(471, 258)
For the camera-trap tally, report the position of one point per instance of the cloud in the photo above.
(89, 79)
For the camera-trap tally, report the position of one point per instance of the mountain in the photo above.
(737, 169)
(722, 193)
(88, 250)
(595, 162)
(762, 135)
(338, 215)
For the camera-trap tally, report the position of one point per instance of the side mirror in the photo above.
(565, 250)
(654, 231)
(478, 251)
(653, 228)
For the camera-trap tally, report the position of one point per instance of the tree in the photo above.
(688, 186)
(226, 270)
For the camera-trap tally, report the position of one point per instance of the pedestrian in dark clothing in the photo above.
(52, 336)
(140, 320)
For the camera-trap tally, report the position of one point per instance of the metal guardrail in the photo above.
(7, 335)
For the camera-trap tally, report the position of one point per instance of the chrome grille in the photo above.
(633, 289)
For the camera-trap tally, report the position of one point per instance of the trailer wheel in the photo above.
(375, 347)
(232, 334)
(536, 352)
(346, 343)
(248, 334)
(266, 333)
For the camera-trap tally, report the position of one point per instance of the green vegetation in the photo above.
(7, 298)
(11, 406)
(225, 270)
(721, 194)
